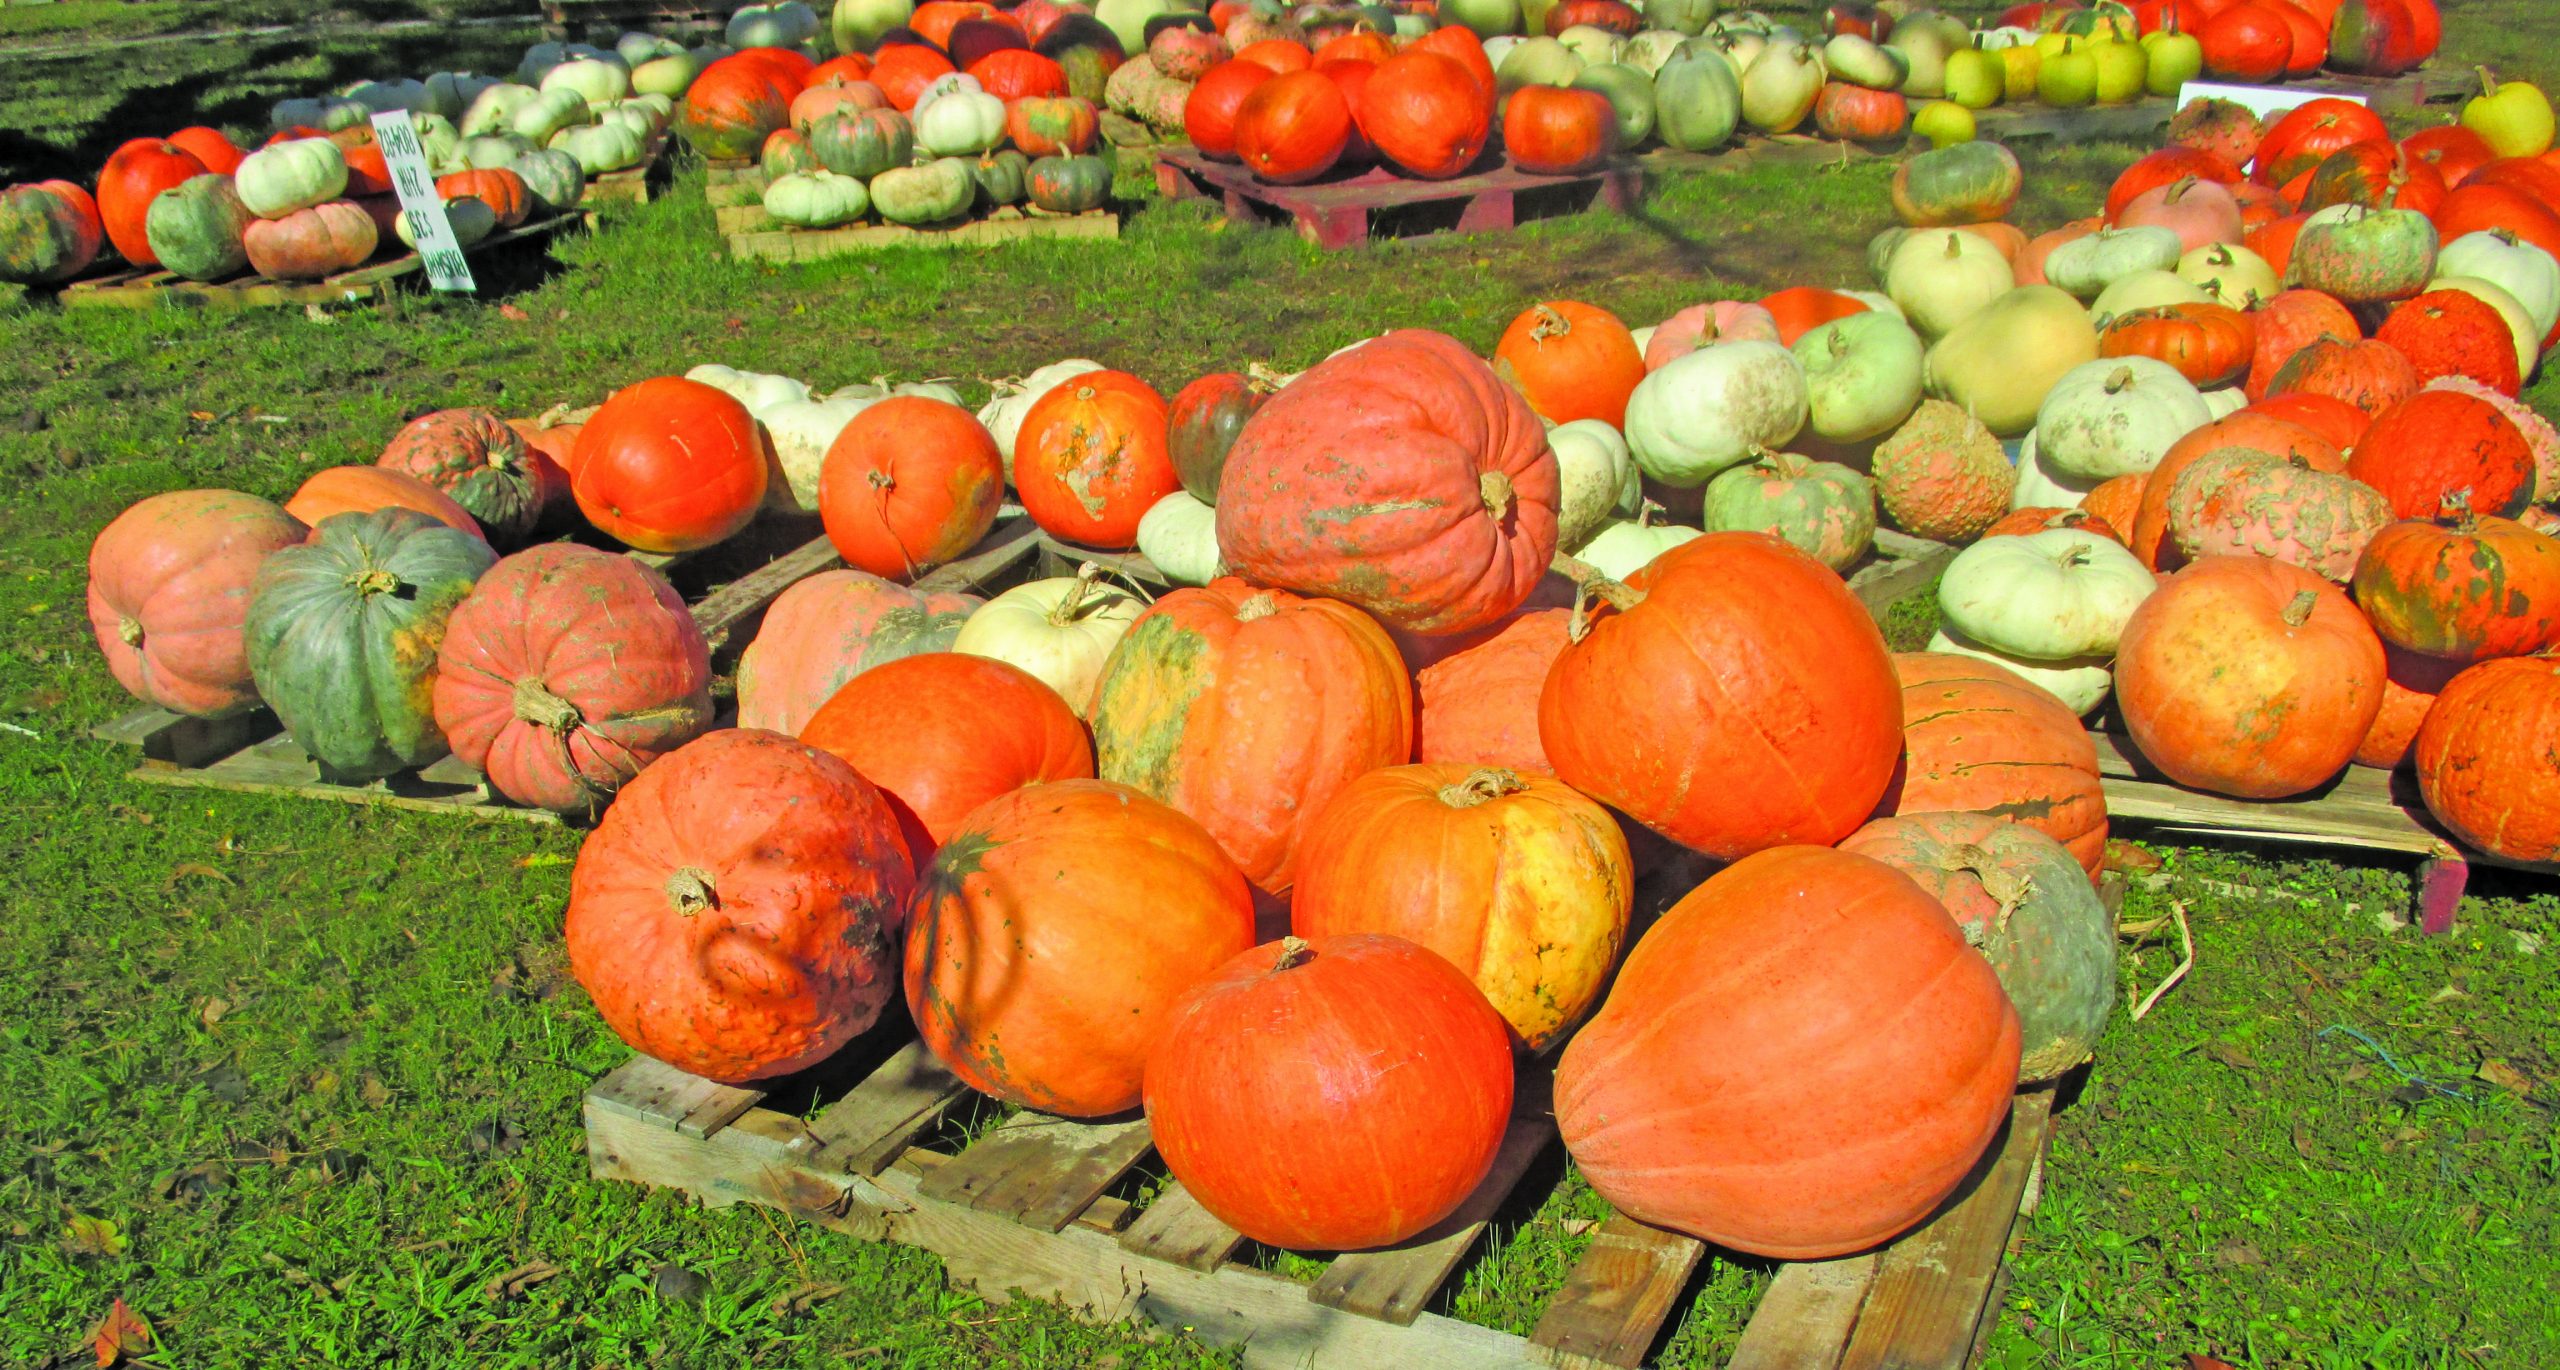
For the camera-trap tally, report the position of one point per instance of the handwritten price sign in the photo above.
(437, 249)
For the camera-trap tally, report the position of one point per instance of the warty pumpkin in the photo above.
(942, 732)
(2484, 758)
(1977, 738)
(169, 586)
(1941, 474)
(2249, 429)
(2289, 322)
(2440, 444)
(2372, 376)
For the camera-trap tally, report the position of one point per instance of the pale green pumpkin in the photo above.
(816, 199)
(275, 181)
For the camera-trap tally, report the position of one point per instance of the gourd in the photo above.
(1862, 375)
(2482, 758)
(1941, 474)
(1004, 413)
(1061, 629)
(197, 228)
(596, 80)
(938, 190)
(556, 180)
(909, 484)
(275, 181)
(1179, 536)
(1709, 410)
(1623, 547)
(470, 218)
(943, 732)
(1979, 739)
(1821, 507)
(2239, 502)
(1596, 475)
(600, 148)
(962, 122)
(2087, 266)
(1069, 185)
(829, 628)
(816, 199)
(2079, 685)
(2002, 361)
(548, 112)
(2048, 596)
(2116, 416)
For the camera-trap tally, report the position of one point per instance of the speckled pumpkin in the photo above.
(484, 465)
(2484, 758)
(1822, 507)
(1941, 475)
(830, 628)
(2462, 587)
(2441, 445)
(169, 586)
(1978, 738)
(2239, 501)
(2538, 433)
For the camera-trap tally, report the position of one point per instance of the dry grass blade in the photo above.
(2186, 962)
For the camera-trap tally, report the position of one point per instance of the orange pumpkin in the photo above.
(2116, 503)
(2335, 421)
(1424, 111)
(1557, 131)
(1277, 55)
(169, 587)
(909, 484)
(2488, 208)
(2410, 684)
(2255, 432)
(2372, 376)
(942, 732)
(2209, 344)
(363, 489)
(135, 174)
(1293, 127)
(1479, 705)
(2484, 758)
(1856, 114)
(2441, 445)
(2454, 333)
(1977, 738)
(1800, 309)
(2463, 586)
(670, 465)
(501, 190)
(1090, 458)
(1217, 98)
(1571, 361)
(2167, 167)
(2452, 149)
(2286, 324)
(1459, 44)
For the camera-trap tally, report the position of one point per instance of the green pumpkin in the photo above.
(1963, 183)
(195, 228)
(1070, 185)
(940, 189)
(786, 150)
(1679, 16)
(1630, 96)
(468, 216)
(600, 148)
(862, 143)
(280, 178)
(1003, 178)
(816, 199)
(44, 234)
(1823, 508)
(1696, 101)
(342, 635)
(553, 177)
(490, 151)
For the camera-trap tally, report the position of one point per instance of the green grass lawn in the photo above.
(300, 1083)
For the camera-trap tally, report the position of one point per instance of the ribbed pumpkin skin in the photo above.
(1941, 474)
(566, 672)
(169, 587)
(1746, 657)
(2484, 758)
(2370, 375)
(199, 228)
(2440, 443)
(1249, 710)
(49, 231)
(1838, 1060)
(308, 244)
(343, 633)
(2224, 690)
(1335, 1096)
(731, 106)
(2012, 890)
(670, 465)
(733, 913)
(1052, 934)
(1402, 476)
(2409, 688)
(2464, 589)
(1978, 739)
(830, 628)
(1479, 706)
(942, 732)
(363, 489)
(2236, 502)
(473, 456)
(913, 482)
(1520, 882)
(1202, 425)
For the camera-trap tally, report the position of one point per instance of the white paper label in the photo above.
(437, 250)
(2260, 100)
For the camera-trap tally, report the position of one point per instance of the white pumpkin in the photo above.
(1878, 301)
(961, 123)
(948, 83)
(2522, 269)
(2087, 266)
(2081, 685)
(1598, 475)
(802, 430)
(2231, 275)
(2038, 488)
(757, 390)
(380, 96)
(1180, 535)
(596, 79)
(2049, 596)
(550, 111)
(1003, 415)
(2145, 290)
(449, 93)
(1861, 375)
(600, 148)
(2116, 416)
(1706, 411)
(1625, 546)
(1643, 336)
(1061, 630)
(2519, 319)
(494, 109)
(2223, 401)
(1939, 277)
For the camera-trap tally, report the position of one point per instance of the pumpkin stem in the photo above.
(2299, 611)
(1550, 324)
(1070, 605)
(2455, 508)
(1294, 952)
(1616, 594)
(2488, 83)
(882, 481)
(1262, 380)
(1494, 488)
(129, 631)
(1482, 787)
(1954, 247)
(690, 888)
(535, 704)
(373, 581)
(2123, 377)
(1261, 606)
(2007, 888)
(1645, 510)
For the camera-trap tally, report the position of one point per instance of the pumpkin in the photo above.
(824, 98)
(211, 146)
(49, 230)
(670, 465)
(503, 191)
(2453, 150)
(2167, 167)
(2235, 277)
(2410, 684)
(1623, 547)
(1862, 375)
(2275, 437)
(2485, 208)
(1249, 709)
(1779, 1120)
(1001, 970)
(2115, 503)
(2376, 175)
(1003, 179)
(134, 175)
(862, 143)
(2001, 362)
(309, 244)
(2302, 137)
(959, 122)
(2077, 686)
(1968, 182)
(1479, 705)
(2365, 256)
(1090, 458)
(1179, 537)
(1014, 74)
(1336, 1094)
(169, 587)
(2026, 906)
(484, 465)
(909, 484)
(1209, 115)
(278, 179)
(2290, 322)
(1401, 475)
(1293, 127)
(1708, 325)
(1750, 654)
(2048, 596)
(2451, 333)
(2333, 420)
(1558, 132)
(2383, 37)
(1061, 630)
(1185, 53)
(942, 732)
(815, 199)
(1855, 114)
(2372, 376)
(1939, 277)
(1202, 425)
(2462, 586)
(1697, 99)
(2087, 265)
(1069, 185)
(2209, 344)
(1979, 739)
(198, 228)
(554, 180)
(2538, 433)
(1426, 112)
(734, 911)
(1710, 409)
(2248, 677)
(1941, 475)
(2438, 442)
(2521, 269)
(1821, 507)
(732, 105)
(2225, 128)
(937, 191)
(2239, 502)
(829, 628)
(1046, 125)
(2116, 416)
(2484, 759)
(341, 636)
(363, 489)
(1571, 361)
(566, 671)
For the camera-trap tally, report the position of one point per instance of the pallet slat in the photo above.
(150, 289)
(1394, 1285)
(1335, 214)
(660, 1094)
(1177, 1230)
(1039, 1170)
(1617, 1296)
(897, 1103)
(1813, 1308)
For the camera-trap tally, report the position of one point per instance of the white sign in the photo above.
(437, 249)
(2260, 100)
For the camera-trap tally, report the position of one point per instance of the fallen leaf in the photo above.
(2197, 1362)
(801, 1298)
(734, 324)
(201, 415)
(212, 1011)
(373, 1091)
(193, 1182)
(90, 1236)
(185, 869)
(512, 314)
(2239, 1253)
(120, 1334)
(2302, 1144)
(496, 1137)
(2125, 856)
(2506, 1077)
(520, 1279)
(540, 859)
(337, 1164)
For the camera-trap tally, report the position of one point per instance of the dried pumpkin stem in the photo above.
(2299, 611)
(129, 631)
(2122, 377)
(1482, 787)
(690, 888)
(1616, 594)
(535, 704)
(2007, 888)
(1261, 606)
(1550, 324)
(1494, 488)
(1294, 952)
(373, 581)
(1071, 605)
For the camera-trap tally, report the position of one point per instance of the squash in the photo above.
(2209, 344)
(1708, 325)
(469, 220)
(2087, 266)
(1003, 178)
(1979, 739)
(1820, 507)
(1964, 183)
(815, 199)
(1623, 547)
(909, 484)
(341, 634)
(1061, 629)
(2265, 433)
(1202, 424)
(1862, 375)
(1179, 537)
(2449, 332)
(964, 122)
(2462, 586)
(2364, 256)
(1069, 184)
(2234, 501)
(309, 244)
(1479, 705)
(2001, 362)
(2115, 417)
(2233, 276)
(1090, 459)
(565, 672)
(831, 627)
(927, 194)
(555, 180)
(481, 463)
(1941, 475)
(1249, 709)
(1697, 101)
(2047, 596)
(730, 106)
(1940, 277)
(2248, 677)
(1571, 361)
(2078, 686)
(170, 581)
(2520, 268)
(198, 228)
(1319, 492)
(363, 489)
(734, 911)
(1709, 410)
(276, 180)
(50, 230)
(999, 971)
(2538, 433)
(2442, 446)
(943, 732)
(1597, 476)
(600, 148)
(1792, 1075)
(862, 143)
(670, 465)
(2483, 758)
(2144, 290)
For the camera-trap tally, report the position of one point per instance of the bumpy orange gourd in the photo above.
(1977, 738)
(2484, 758)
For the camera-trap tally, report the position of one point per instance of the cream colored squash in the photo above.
(1625, 546)
(1708, 410)
(1180, 535)
(2231, 275)
(2049, 596)
(801, 431)
(2145, 290)
(2116, 416)
(1003, 414)
(2081, 685)
(2520, 268)
(1061, 629)
(2087, 266)
(1598, 475)
(2003, 361)
(2039, 488)
(1939, 277)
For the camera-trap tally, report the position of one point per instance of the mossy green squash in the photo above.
(938, 190)
(1003, 177)
(1967, 183)
(196, 227)
(1070, 185)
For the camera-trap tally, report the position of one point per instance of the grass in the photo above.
(299, 1082)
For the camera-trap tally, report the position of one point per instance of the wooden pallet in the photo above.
(149, 288)
(2362, 810)
(573, 18)
(1338, 212)
(1037, 1206)
(733, 183)
(633, 185)
(1751, 150)
(252, 754)
(1005, 225)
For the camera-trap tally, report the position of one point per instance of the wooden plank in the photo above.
(658, 1093)
(1003, 226)
(2133, 120)
(1041, 1171)
(895, 1104)
(365, 282)
(1932, 1286)
(1063, 558)
(179, 740)
(1012, 543)
(1397, 1283)
(1617, 1296)
(725, 607)
(1806, 1315)
(1175, 1228)
(632, 185)
(1335, 213)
